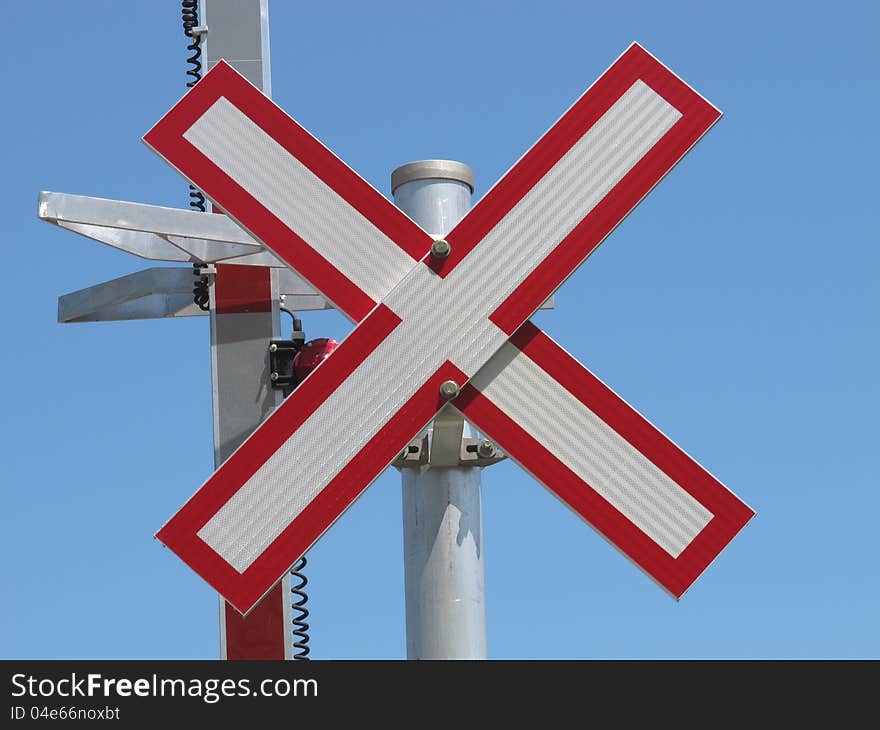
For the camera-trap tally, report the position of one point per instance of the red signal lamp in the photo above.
(312, 354)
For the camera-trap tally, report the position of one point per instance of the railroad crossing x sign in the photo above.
(441, 321)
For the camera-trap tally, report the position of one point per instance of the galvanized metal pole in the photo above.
(442, 506)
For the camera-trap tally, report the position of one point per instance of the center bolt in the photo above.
(440, 248)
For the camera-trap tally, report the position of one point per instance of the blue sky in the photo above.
(736, 308)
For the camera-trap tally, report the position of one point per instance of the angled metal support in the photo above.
(161, 292)
(153, 231)
(145, 245)
(68, 208)
(149, 294)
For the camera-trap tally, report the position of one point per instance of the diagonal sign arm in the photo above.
(243, 528)
(585, 175)
(603, 459)
(289, 191)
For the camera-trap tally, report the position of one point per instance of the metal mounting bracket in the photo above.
(444, 440)
(444, 445)
(281, 356)
(472, 452)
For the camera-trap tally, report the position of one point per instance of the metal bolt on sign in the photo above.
(486, 449)
(440, 249)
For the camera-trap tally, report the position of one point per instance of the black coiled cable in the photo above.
(300, 625)
(189, 13)
(201, 290)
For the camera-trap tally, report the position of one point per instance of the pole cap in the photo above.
(432, 169)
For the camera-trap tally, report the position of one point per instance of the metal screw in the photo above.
(273, 376)
(449, 389)
(273, 347)
(440, 248)
(486, 449)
